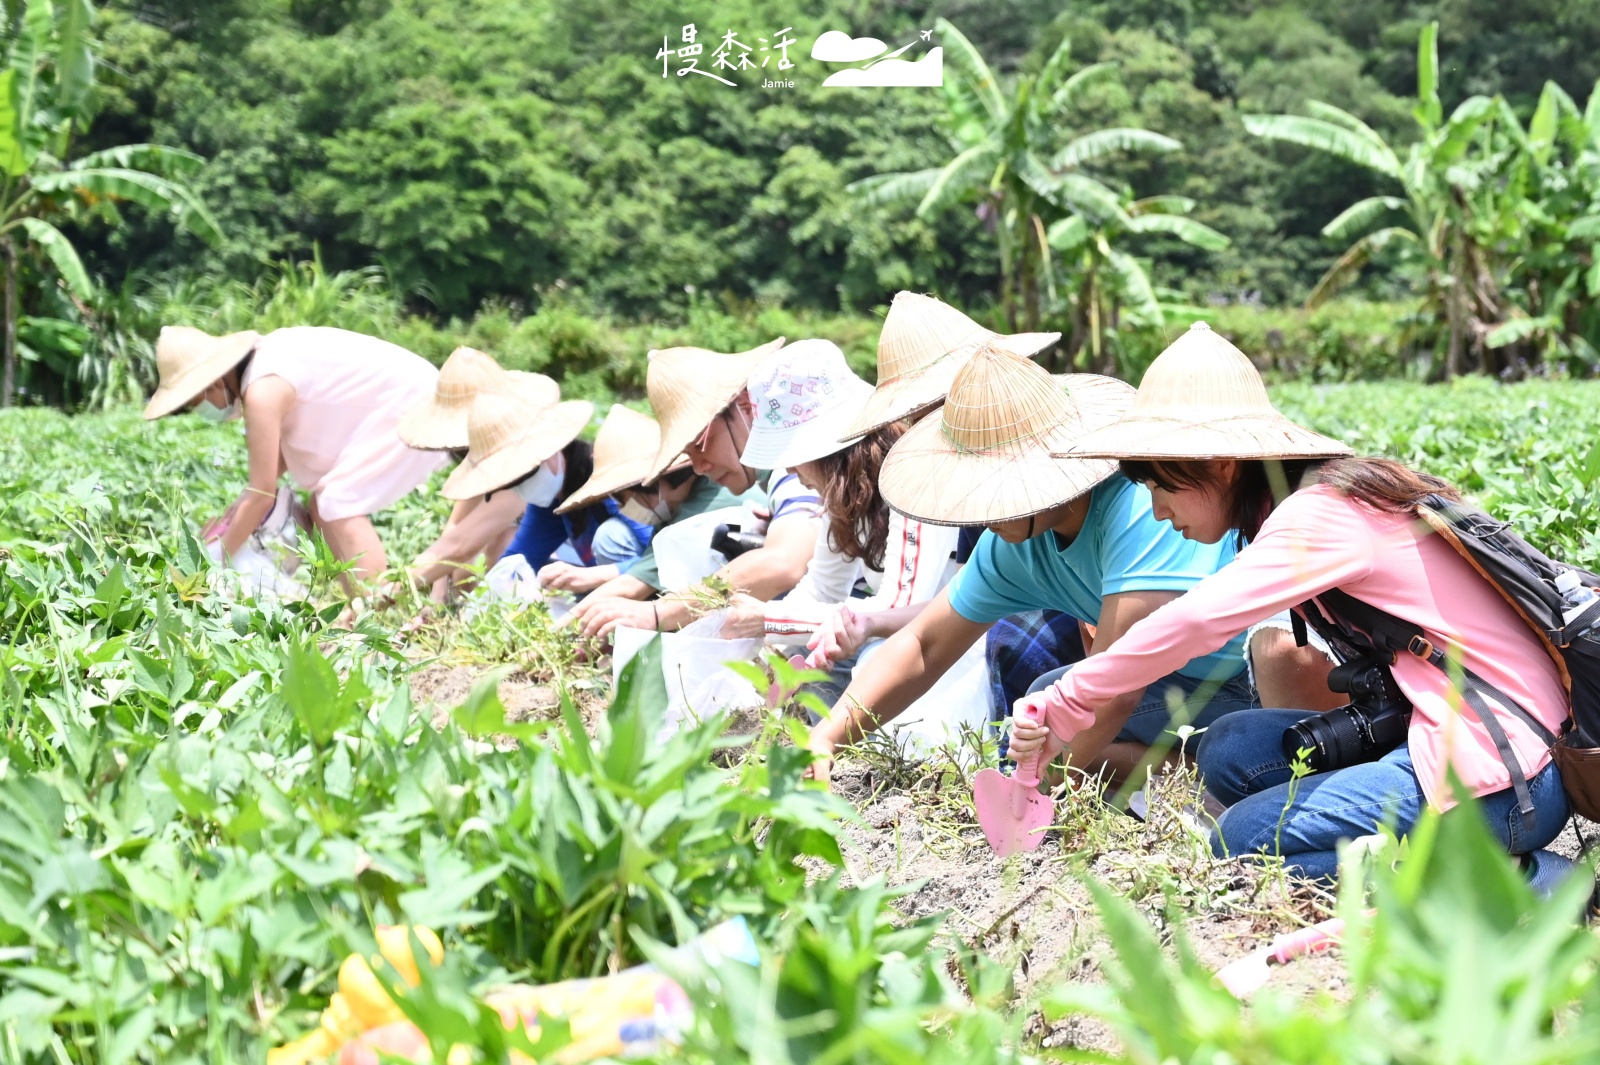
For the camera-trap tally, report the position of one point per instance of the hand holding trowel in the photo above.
(1011, 810)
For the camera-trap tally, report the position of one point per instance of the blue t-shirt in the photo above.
(1121, 548)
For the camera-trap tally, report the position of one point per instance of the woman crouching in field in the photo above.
(320, 404)
(805, 405)
(479, 527)
(1217, 456)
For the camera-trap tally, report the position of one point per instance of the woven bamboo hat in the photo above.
(1202, 399)
(688, 387)
(439, 422)
(624, 448)
(188, 360)
(986, 457)
(924, 344)
(509, 436)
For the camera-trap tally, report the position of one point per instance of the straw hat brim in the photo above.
(914, 392)
(1247, 436)
(609, 480)
(431, 426)
(555, 428)
(928, 478)
(230, 350)
(694, 411)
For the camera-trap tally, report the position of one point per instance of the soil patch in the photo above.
(1032, 911)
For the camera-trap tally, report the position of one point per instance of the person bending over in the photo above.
(704, 406)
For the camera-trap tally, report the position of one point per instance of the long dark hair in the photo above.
(580, 467)
(858, 518)
(1261, 484)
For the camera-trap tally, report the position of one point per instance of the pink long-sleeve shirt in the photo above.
(1319, 539)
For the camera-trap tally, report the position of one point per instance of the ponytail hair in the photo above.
(1262, 484)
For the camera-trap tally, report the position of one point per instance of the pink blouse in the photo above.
(339, 439)
(1319, 539)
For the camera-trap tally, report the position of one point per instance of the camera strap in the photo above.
(1297, 624)
(1394, 635)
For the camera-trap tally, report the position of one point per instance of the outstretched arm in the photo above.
(764, 573)
(266, 403)
(899, 672)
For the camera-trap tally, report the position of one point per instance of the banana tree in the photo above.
(1110, 288)
(1436, 176)
(1551, 197)
(46, 96)
(1009, 156)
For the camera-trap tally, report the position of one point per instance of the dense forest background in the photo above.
(485, 149)
(472, 165)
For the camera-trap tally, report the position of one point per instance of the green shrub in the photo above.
(1457, 963)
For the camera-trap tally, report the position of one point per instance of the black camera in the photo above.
(732, 543)
(1369, 726)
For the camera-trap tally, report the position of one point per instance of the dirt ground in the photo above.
(440, 687)
(1033, 911)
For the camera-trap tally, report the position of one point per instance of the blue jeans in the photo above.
(1153, 715)
(1242, 761)
(615, 544)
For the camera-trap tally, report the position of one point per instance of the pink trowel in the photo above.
(1244, 976)
(1012, 812)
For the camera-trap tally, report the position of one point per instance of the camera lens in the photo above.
(1334, 739)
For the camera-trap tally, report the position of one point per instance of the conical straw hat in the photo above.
(439, 422)
(689, 387)
(986, 456)
(1202, 399)
(188, 360)
(924, 344)
(509, 436)
(624, 448)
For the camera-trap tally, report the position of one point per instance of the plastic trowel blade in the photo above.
(1012, 812)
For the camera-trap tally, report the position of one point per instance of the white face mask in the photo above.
(653, 516)
(215, 414)
(541, 489)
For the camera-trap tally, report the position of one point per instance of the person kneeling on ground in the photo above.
(1063, 534)
(1216, 456)
(903, 562)
(702, 400)
(533, 452)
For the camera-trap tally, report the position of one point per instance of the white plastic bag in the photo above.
(683, 549)
(265, 564)
(694, 666)
(513, 580)
(252, 573)
(959, 698)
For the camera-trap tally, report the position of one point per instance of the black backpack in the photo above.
(1525, 576)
